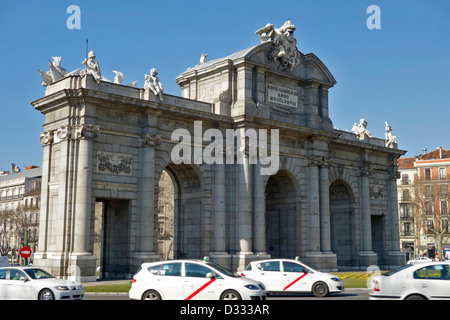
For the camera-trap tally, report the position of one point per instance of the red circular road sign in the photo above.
(25, 252)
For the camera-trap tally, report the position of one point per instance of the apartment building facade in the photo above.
(423, 195)
(20, 193)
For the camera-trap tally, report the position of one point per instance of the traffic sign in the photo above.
(25, 252)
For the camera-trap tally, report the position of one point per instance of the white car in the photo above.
(29, 283)
(192, 280)
(422, 281)
(419, 259)
(287, 276)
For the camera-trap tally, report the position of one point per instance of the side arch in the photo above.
(343, 224)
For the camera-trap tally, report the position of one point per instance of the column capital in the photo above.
(86, 131)
(365, 170)
(314, 161)
(150, 140)
(394, 174)
(63, 132)
(46, 138)
(323, 162)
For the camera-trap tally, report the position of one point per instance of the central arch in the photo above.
(281, 216)
(184, 234)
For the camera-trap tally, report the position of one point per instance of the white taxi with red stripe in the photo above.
(192, 280)
(287, 276)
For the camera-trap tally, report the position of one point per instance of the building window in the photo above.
(442, 173)
(405, 179)
(428, 208)
(429, 190)
(430, 225)
(405, 211)
(405, 195)
(427, 174)
(406, 228)
(444, 208)
(443, 189)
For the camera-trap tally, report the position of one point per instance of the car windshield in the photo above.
(38, 274)
(222, 270)
(389, 273)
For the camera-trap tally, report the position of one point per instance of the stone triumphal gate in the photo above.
(332, 201)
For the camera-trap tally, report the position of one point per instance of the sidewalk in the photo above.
(105, 282)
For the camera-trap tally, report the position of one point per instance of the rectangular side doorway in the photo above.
(111, 243)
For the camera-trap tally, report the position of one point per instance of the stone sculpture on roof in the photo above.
(203, 57)
(92, 67)
(390, 139)
(284, 44)
(360, 129)
(152, 82)
(55, 73)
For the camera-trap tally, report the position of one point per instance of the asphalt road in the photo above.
(361, 294)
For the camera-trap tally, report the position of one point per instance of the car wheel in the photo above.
(151, 295)
(230, 295)
(320, 289)
(46, 294)
(415, 297)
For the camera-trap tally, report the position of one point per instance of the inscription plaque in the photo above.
(282, 95)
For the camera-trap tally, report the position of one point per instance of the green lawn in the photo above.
(351, 280)
(125, 287)
(354, 279)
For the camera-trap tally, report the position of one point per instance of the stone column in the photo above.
(219, 245)
(46, 139)
(245, 206)
(396, 257)
(244, 180)
(313, 205)
(82, 215)
(366, 230)
(146, 242)
(61, 220)
(312, 105)
(219, 252)
(325, 224)
(259, 211)
(367, 256)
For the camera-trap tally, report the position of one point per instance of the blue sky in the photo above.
(399, 73)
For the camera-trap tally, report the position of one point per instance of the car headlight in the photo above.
(251, 287)
(62, 288)
(336, 279)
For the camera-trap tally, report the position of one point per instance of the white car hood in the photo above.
(58, 282)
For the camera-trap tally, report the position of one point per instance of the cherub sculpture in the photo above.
(390, 139)
(152, 82)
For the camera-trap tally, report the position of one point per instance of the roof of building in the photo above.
(406, 163)
(31, 173)
(438, 153)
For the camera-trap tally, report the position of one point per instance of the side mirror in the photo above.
(210, 275)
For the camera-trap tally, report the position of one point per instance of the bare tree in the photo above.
(5, 235)
(431, 211)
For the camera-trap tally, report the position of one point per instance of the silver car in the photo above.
(422, 281)
(29, 283)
